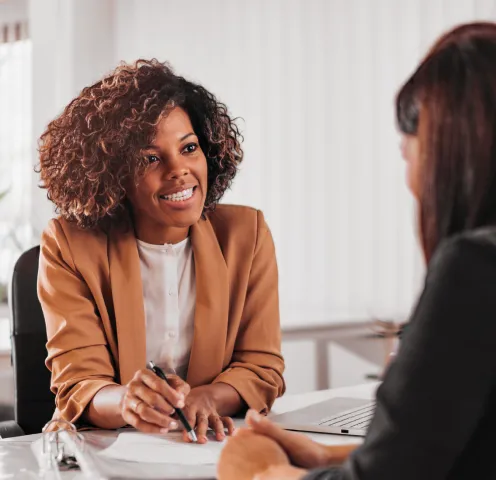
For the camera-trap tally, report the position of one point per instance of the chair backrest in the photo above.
(34, 402)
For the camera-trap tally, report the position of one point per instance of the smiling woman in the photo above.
(142, 263)
(171, 196)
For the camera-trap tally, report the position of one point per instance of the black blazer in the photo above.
(436, 409)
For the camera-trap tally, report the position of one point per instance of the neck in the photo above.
(160, 235)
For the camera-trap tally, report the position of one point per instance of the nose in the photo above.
(177, 173)
(175, 169)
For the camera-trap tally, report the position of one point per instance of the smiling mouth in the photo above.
(179, 196)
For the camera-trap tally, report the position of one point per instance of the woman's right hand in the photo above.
(148, 402)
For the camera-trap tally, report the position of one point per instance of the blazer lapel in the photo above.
(212, 306)
(127, 294)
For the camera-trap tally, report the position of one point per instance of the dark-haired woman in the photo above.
(436, 409)
(143, 265)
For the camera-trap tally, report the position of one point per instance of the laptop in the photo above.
(341, 416)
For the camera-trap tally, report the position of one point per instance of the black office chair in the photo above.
(34, 402)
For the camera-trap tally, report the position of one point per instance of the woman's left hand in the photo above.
(206, 406)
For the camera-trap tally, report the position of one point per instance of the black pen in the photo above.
(160, 373)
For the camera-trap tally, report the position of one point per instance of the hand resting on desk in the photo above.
(212, 406)
(263, 457)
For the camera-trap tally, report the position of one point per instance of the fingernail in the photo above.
(164, 430)
(173, 425)
(180, 404)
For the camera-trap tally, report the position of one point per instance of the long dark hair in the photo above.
(450, 104)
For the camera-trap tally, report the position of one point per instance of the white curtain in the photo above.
(314, 82)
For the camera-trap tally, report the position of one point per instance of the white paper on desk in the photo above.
(169, 448)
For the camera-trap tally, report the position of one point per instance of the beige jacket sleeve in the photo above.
(78, 354)
(257, 364)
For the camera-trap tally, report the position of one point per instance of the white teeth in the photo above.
(178, 196)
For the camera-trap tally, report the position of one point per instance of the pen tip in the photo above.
(192, 436)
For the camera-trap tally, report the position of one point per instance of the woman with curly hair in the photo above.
(142, 264)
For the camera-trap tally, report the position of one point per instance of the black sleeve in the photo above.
(435, 391)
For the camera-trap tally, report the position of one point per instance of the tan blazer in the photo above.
(89, 286)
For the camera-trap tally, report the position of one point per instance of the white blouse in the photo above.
(169, 293)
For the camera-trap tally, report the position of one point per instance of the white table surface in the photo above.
(17, 446)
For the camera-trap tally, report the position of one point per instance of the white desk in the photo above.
(13, 451)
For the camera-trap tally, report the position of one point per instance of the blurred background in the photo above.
(313, 83)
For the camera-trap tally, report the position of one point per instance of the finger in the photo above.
(151, 397)
(229, 424)
(147, 413)
(178, 384)
(191, 418)
(240, 432)
(137, 422)
(201, 427)
(176, 399)
(291, 442)
(217, 425)
(263, 425)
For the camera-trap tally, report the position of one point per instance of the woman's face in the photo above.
(411, 153)
(171, 195)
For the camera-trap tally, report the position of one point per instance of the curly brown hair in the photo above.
(93, 150)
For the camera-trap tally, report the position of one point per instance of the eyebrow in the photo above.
(186, 136)
(154, 147)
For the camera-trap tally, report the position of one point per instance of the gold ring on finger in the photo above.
(134, 404)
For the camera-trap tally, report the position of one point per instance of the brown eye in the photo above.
(152, 158)
(190, 148)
